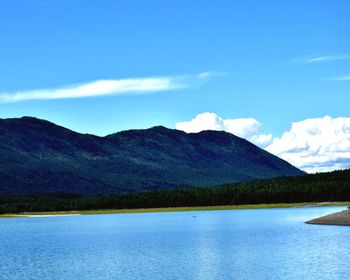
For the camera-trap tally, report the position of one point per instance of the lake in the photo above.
(231, 244)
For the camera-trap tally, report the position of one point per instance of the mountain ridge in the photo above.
(37, 156)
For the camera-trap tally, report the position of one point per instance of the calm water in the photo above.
(241, 244)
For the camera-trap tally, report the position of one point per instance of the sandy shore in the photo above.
(340, 219)
(36, 215)
(53, 215)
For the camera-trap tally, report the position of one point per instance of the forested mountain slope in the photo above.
(37, 156)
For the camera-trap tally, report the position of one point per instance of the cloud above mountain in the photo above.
(248, 128)
(317, 144)
(313, 145)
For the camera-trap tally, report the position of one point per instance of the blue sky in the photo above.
(275, 61)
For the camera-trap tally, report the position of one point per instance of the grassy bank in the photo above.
(177, 209)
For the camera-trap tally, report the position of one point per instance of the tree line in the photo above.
(331, 186)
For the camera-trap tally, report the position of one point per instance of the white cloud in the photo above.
(325, 58)
(315, 145)
(108, 87)
(247, 128)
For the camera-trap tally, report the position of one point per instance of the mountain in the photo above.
(37, 156)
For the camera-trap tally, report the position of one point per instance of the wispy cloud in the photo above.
(340, 78)
(326, 58)
(109, 87)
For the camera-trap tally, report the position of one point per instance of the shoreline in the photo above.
(169, 209)
(341, 218)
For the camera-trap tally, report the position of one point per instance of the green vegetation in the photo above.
(37, 156)
(332, 186)
(10, 216)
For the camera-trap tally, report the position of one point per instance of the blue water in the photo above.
(240, 244)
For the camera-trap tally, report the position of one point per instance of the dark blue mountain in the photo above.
(37, 156)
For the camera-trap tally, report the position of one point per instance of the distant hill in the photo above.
(37, 156)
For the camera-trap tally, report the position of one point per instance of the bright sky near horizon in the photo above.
(274, 72)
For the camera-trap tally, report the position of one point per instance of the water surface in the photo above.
(231, 244)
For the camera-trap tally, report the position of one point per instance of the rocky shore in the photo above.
(340, 219)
